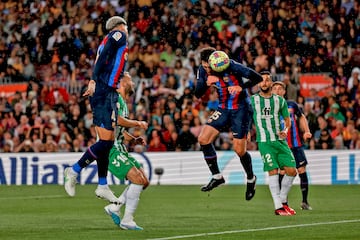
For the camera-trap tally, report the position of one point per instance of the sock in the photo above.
(85, 160)
(132, 201)
(247, 165)
(286, 185)
(76, 169)
(102, 181)
(275, 190)
(281, 176)
(95, 151)
(210, 158)
(122, 199)
(102, 149)
(304, 186)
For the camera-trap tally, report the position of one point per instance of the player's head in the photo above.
(116, 23)
(266, 83)
(204, 57)
(278, 88)
(127, 85)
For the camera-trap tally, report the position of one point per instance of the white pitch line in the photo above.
(256, 229)
(33, 197)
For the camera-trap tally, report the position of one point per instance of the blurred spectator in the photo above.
(186, 140)
(355, 139)
(325, 141)
(335, 113)
(156, 142)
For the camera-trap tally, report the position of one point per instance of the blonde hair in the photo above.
(114, 21)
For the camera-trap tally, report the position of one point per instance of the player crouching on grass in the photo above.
(123, 165)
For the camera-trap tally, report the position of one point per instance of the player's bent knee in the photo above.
(291, 172)
(203, 140)
(240, 152)
(146, 183)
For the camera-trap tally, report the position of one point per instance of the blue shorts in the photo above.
(239, 120)
(299, 156)
(103, 105)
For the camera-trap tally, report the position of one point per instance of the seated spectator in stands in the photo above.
(22, 128)
(8, 120)
(335, 113)
(355, 139)
(24, 146)
(340, 130)
(325, 141)
(339, 143)
(188, 107)
(186, 140)
(7, 148)
(7, 139)
(197, 126)
(38, 146)
(167, 133)
(156, 142)
(51, 146)
(47, 111)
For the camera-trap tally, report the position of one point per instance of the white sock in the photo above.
(286, 185)
(122, 197)
(122, 200)
(274, 187)
(132, 200)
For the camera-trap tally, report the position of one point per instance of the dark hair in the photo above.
(266, 72)
(206, 52)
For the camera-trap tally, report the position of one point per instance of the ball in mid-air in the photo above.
(219, 61)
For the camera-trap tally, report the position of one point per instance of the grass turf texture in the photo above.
(173, 212)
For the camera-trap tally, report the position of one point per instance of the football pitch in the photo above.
(179, 212)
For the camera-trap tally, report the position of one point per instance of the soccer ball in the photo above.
(219, 61)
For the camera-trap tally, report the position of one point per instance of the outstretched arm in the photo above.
(252, 78)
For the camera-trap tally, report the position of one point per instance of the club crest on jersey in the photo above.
(226, 79)
(117, 36)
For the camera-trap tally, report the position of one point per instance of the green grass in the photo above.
(45, 212)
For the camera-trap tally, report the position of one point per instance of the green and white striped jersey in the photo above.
(267, 116)
(123, 111)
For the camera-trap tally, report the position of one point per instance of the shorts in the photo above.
(120, 163)
(276, 154)
(239, 120)
(103, 105)
(299, 156)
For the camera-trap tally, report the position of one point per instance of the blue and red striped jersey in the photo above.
(294, 138)
(235, 75)
(111, 59)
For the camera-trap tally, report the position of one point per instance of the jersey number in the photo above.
(215, 115)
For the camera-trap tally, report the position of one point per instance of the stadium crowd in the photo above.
(51, 46)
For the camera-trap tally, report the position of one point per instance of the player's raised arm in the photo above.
(253, 78)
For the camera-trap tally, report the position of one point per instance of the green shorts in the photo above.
(120, 163)
(276, 154)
